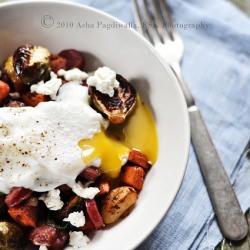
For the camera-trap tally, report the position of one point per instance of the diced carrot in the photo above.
(138, 158)
(33, 99)
(133, 176)
(24, 215)
(4, 90)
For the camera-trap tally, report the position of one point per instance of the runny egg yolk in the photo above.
(110, 151)
(113, 146)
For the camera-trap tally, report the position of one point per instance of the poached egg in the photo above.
(48, 145)
(39, 146)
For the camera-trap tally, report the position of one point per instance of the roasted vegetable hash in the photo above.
(50, 216)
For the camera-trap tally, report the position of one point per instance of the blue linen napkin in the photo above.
(216, 67)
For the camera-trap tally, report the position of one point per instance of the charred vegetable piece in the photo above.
(74, 58)
(74, 204)
(32, 201)
(94, 214)
(88, 226)
(61, 240)
(104, 187)
(10, 71)
(17, 195)
(11, 236)
(64, 188)
(117, 202)
(118, 107)
(91, 173)
(57, 62)
(49, 236)
(31, 63)
(3, 208)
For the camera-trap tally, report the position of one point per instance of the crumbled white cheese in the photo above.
(85, 192)
(52, 200)
(50, 87)
(43, 248)
(76, 219)
(78, 240)
(104, 80)
(73, 74)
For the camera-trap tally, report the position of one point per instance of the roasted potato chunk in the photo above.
(117, 202)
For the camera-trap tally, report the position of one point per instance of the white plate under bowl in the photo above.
(62, 25)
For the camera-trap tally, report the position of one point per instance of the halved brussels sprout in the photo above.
(11, 236)
(9, 70)
(118, 107)
(31, 63)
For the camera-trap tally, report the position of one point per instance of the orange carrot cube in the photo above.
(133, 176)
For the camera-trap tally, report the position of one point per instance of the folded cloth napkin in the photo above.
(216, 67)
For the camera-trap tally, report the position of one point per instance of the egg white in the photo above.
(39, 146)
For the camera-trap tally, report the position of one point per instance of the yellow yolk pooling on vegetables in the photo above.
(110, 151)
(114, 145)
(140, 131)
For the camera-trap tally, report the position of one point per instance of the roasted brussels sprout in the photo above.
(11, 236)
(9, 70)
(31, 63)
(116, 108)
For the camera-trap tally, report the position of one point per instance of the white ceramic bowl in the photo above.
(59, 26)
